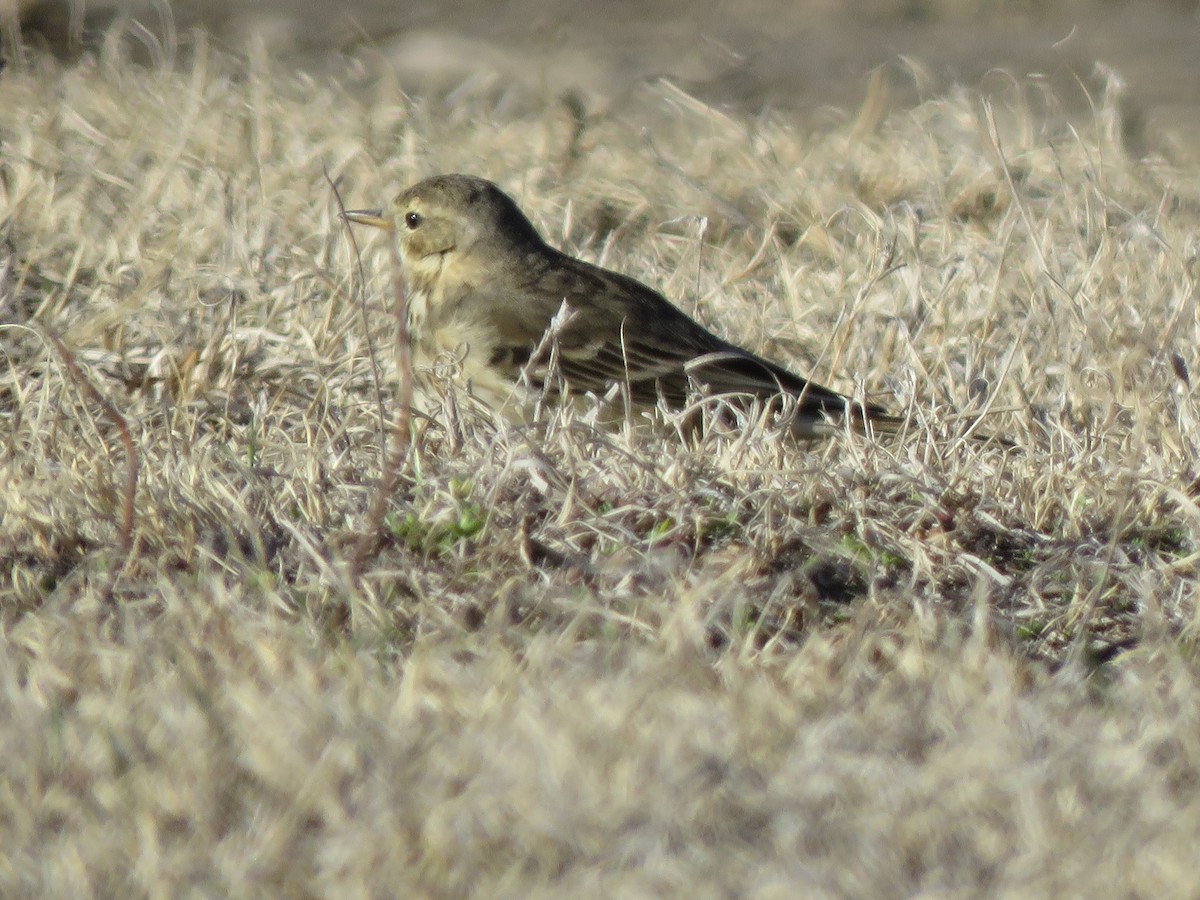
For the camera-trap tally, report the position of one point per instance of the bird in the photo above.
(490, 300)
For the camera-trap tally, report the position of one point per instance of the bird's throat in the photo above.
(423, 278)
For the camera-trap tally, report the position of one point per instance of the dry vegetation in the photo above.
(591, 662)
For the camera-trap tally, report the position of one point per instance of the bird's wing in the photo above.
(622, 331)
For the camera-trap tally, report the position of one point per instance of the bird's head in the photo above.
(447, 220)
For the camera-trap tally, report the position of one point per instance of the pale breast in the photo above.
(455, 340)
(455, 353)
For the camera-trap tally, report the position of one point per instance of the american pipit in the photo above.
(484, 289)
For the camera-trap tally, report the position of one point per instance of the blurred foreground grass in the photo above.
(591, 662)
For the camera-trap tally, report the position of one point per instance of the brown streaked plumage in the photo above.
(483, 288)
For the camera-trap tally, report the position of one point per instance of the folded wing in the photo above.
(622, 331)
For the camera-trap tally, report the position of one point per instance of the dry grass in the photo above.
(591, 662)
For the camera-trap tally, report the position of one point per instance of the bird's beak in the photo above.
(373, 217)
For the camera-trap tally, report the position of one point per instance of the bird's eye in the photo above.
(412, 220)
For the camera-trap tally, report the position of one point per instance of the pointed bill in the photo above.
(372, 217)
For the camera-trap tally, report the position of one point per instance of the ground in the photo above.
(581, 660)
